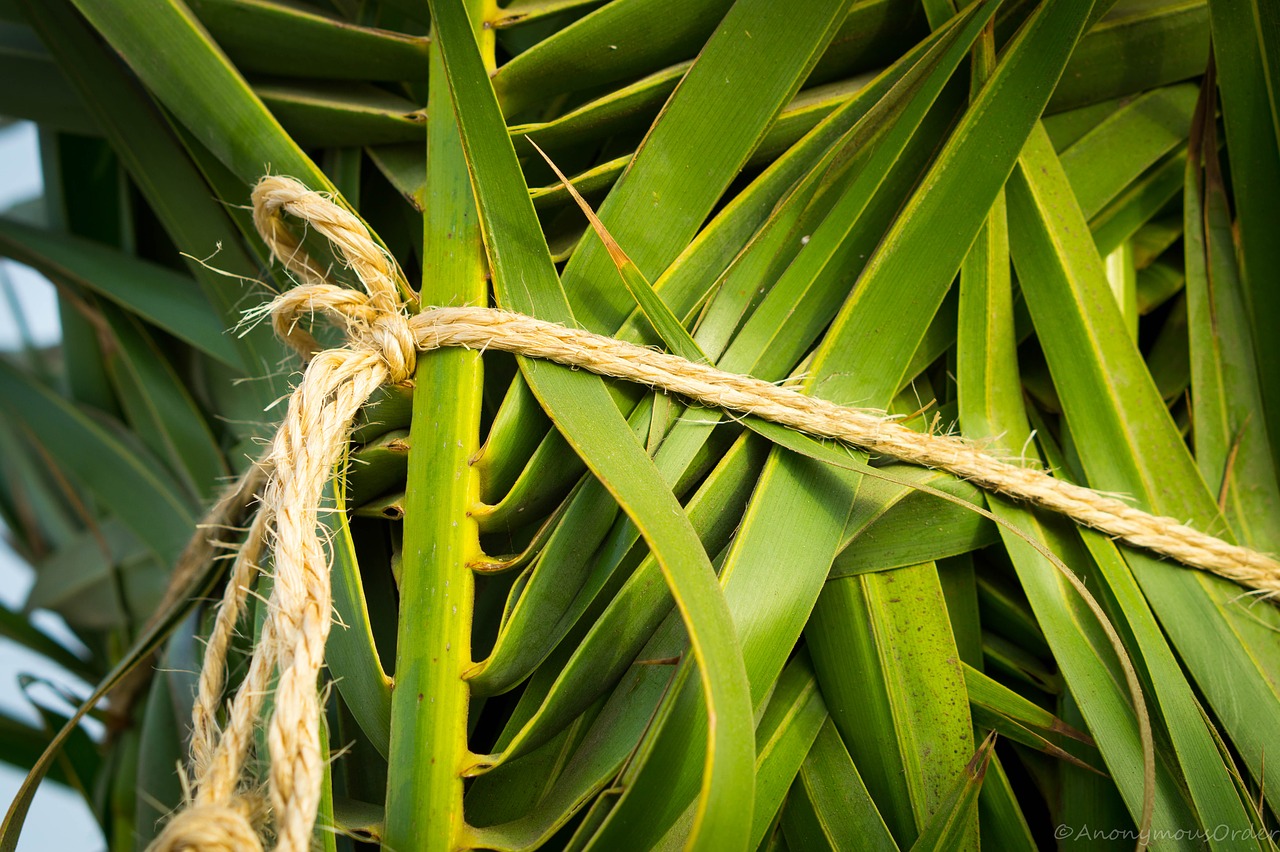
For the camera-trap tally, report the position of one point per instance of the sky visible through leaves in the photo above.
(60, 818)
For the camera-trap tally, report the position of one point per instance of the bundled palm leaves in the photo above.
(1047, 226)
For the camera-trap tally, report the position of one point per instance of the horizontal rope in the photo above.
(486, 328)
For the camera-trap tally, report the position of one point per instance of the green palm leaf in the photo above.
(576, 614)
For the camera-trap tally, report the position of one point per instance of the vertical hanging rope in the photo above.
(337, 382)
(381, 346)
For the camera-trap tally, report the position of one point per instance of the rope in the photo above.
(485, 328)
(337, 382)
(382, 346)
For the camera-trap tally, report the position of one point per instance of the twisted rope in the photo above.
(382, 346)
(484, 328)
(337, 382)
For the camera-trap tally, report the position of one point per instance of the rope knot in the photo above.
(395, 341)
(384, 330)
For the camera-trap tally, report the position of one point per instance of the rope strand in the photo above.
(382, 346)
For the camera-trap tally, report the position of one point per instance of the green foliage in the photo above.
(574, 614)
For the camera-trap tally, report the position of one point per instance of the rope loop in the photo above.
(375, 319)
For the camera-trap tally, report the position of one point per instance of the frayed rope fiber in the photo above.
(382, 345)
